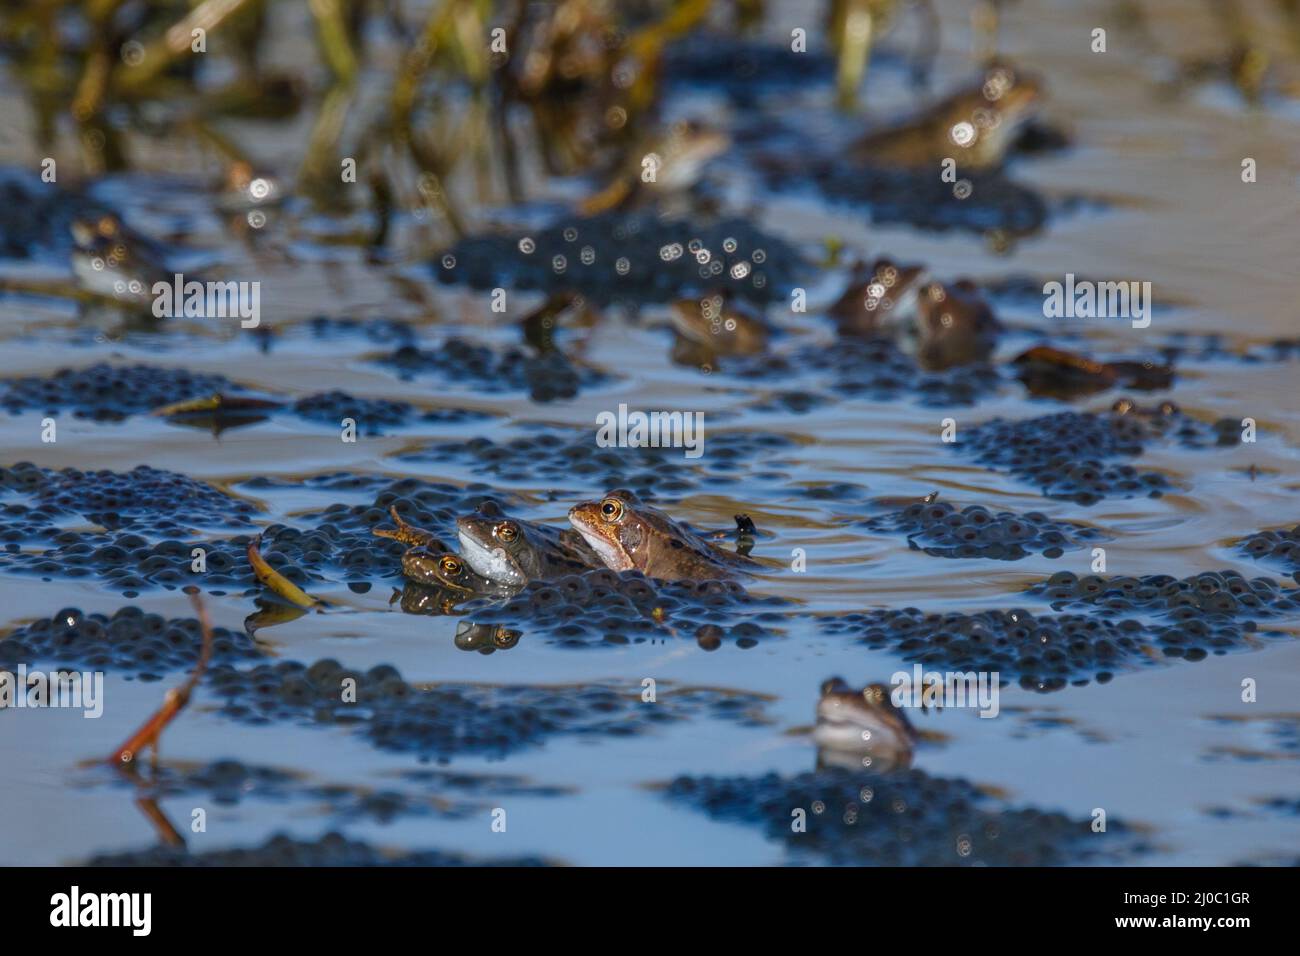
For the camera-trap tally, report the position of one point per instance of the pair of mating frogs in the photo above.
(499, 554)
(942, 324)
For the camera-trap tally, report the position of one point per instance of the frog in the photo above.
(511, 551)
(628, 534)
(876, 293)
(975, 125)
(721, 324)
(427, 560)
(857, 728)
(668, 164)
(952, 325)
(113, 261)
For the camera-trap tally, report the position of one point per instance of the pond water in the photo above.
(1148, 189)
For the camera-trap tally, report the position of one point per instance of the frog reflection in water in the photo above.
(862, 728)
(630, 535)
(975, 126)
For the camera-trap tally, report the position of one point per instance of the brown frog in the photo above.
(721, 324)
(857, 728)
(953, 326)
(974, 125)
(667, 165)
(876, 295)
(630, 535)
(511, 551)
(430, 562)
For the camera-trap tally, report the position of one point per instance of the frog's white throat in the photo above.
(492, 563)
(608, 552)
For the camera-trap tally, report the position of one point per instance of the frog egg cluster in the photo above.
(1044, 652)
(904, 818)
(337, 543)
(864, 368)
(924, 201)
(554, 456)
(105, 393)
(460, 364)
(109, 393)
(332, 849)
(143, 499)
(375, 415)
(130, 564)
(742, 68)
(602, 608)
(449, 719)
(379, 331)
(1211, 347)
(1281, 546)
(641, 273)
(225, 782)
(1063, 454)
(429, 505)
(1213, 595)
(130, 641)
(231, 782)
(939, 529)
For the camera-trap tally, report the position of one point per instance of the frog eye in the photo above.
(449, 565)
(506, 532)
(611, 509)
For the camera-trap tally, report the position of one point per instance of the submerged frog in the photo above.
(112, 260)
(975, 125)
(721, 324)
(857, 728)
(670, 164)
(430, 562)
(630, 535)
(953, 325)
(510, 551)
(876, 295)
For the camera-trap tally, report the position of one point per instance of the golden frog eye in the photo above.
(450, 566)
(507, 532)
(611, 509)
